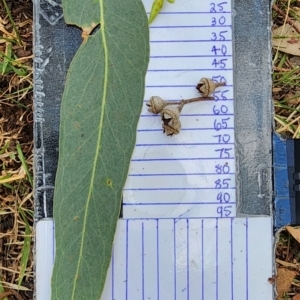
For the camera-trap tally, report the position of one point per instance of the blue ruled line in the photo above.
(179, 86)
(202, 256)
(217, 254)
(179, 174)
(188, 41)
(185, 129)
(157, 256)
(175, 189)
(126, 291)
(191, 13)
(231, 256)
(188, 70)
(178, 203)
(179, 159)
(188, 56)
(190, 26)
(188, 259)
(143, 264)
(183, 144)
(175, 259)
(113, 273)
(247, 262)
(191, 115)
(170, 218)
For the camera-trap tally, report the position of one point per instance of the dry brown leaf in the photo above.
(294, 232)
(295, 60)
(297, 297)
(286, 39)
(292, 99)
(284, 280)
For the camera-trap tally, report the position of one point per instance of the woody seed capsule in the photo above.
(206, 86)
(156, 104)
(170, 117)
(169, 130)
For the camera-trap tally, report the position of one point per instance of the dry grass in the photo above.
(286, 71)
(16, 145)
(288, 265)
(286, 96)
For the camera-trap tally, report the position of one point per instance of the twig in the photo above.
(12, 22)
(5, 294)
(197, 99)
(190, 100)
(17, 295)
(281, 69)
(288, 19)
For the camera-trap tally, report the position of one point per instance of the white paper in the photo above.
(188, 259)
(191, 174)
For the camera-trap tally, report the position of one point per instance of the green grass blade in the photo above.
(12, 22)
(4, 148)
(6, 60)
(26, 248)
(2, 291)
(24, 164)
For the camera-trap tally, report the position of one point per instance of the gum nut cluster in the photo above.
(170, 111)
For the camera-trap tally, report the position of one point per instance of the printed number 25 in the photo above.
(220, 6)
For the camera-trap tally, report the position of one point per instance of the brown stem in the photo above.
(197, 99)
(220, 84)
(5, 294)
(288, 19)
(190, 100)
(17, 295)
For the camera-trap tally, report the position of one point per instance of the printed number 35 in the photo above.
(156, 8)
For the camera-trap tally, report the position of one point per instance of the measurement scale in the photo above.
(191, 174)
(180, 236)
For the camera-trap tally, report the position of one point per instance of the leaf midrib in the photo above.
(98, 147)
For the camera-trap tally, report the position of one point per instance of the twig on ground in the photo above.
(288, 19)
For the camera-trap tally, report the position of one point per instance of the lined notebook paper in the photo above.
(191, 174)
(191, 259)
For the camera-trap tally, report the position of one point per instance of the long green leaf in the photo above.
(2, 291)
(26, 247)
(100, 109)
(24, 164)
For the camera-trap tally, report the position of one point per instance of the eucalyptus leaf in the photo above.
(100, 109)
